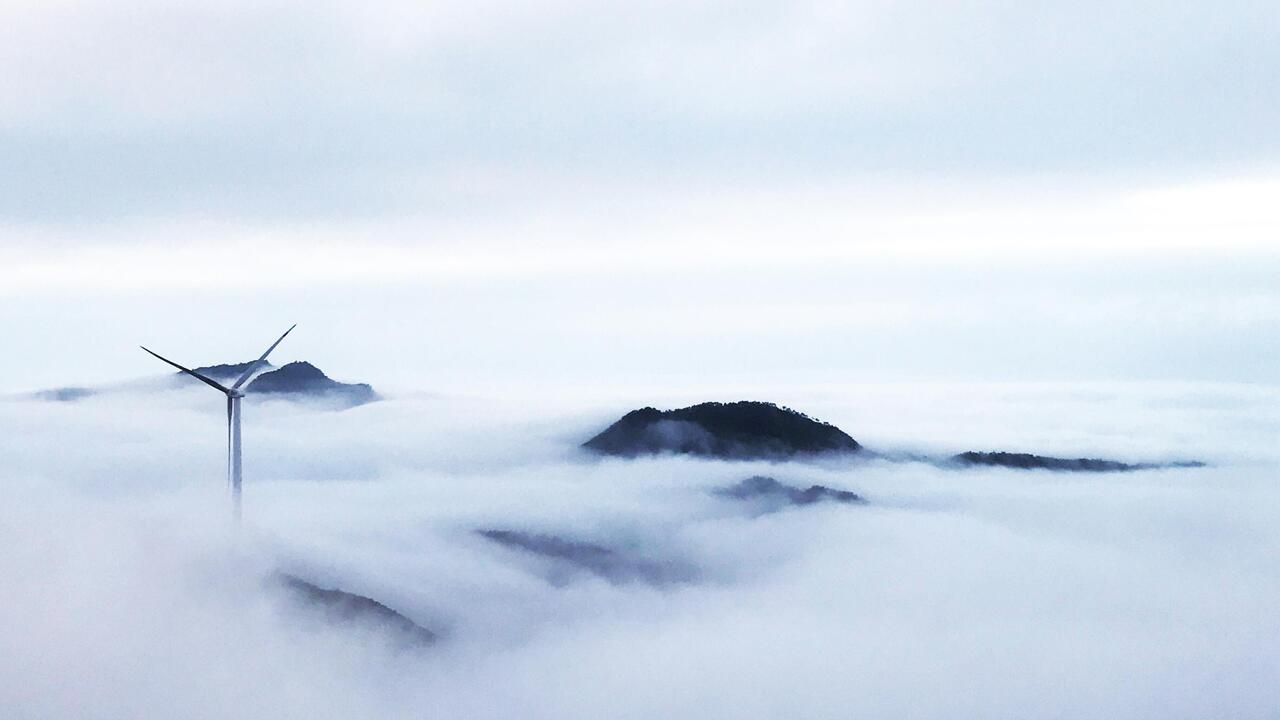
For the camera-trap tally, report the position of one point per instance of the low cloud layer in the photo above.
(973, 593)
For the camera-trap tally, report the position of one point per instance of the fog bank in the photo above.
(972, 593)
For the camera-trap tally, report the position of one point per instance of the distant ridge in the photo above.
(303, 378)
(567, 555)
(1027, 461)
(736, 430)
(63, 394)
(226, 371)
(763, 488)
(295, 378)
(342, 606)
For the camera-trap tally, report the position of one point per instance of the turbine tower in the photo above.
(233, 394)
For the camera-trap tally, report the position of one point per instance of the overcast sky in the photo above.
(604, 192)
(1031, 226)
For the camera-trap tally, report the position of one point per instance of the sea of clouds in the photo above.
(978, 593)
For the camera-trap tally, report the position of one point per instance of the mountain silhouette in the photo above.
(295, 378)
(303, 378)
(777, 494)
(63, 394)
(1027, 461)
(342, 606)
(226, 371)
(736, 430)
(567, 555)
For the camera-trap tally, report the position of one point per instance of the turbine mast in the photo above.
(235, 468)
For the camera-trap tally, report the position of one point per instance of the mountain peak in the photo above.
(302, 377)
(740, 430)
(226, 371)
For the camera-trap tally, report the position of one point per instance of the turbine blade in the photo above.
(254, 365)
(189, 371)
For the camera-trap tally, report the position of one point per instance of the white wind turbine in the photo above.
(233, 394)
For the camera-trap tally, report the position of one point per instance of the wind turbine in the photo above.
(233, 394)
